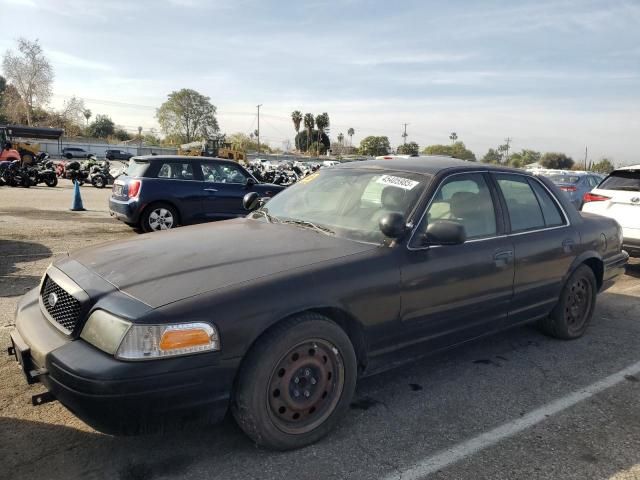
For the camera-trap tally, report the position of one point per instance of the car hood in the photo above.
(163, 267)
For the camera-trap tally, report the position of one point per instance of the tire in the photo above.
(68, 156)
(572, 314)
(158, 216)
(51, 181)
(98, 181)
(295, 383)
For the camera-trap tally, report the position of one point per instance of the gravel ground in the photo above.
(444, 410)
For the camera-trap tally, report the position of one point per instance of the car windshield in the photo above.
(346, 202)
(564, 178)
(136, 168)
(622, 180)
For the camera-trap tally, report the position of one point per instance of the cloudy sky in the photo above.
(552, 75)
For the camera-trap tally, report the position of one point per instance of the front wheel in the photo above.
(572, 314)
(159, 216)
(51, 180)
(98, 181)
(296, 383)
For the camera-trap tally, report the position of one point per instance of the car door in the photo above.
(180, 183)
(544, 241)
(225, 185)
(451, 293)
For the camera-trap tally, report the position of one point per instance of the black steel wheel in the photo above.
(295, 383)
(572, 314)
(51, 180)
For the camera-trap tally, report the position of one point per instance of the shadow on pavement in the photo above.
(13, 253)
(633, 270)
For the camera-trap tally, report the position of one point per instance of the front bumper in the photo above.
(119, 397)
(127, 211)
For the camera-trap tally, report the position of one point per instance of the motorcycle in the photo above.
(42, 171)
(76, 172)
(100, 175)
(15, 175)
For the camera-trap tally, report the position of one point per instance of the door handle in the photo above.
(503, 258)
(567, 245)
(210, 189)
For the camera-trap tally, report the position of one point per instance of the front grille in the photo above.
(66, 310)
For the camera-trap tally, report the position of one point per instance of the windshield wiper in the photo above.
(270, 218)
(313, 226)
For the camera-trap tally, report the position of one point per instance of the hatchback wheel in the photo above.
(572, 314)
(295, 383)
(158, 217)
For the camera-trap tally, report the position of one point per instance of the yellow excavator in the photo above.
(28, 151)
(213, 147)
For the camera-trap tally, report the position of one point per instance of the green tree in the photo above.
(188, 116)
(309, 123)
(603, 166)
(351, 132)
(322, 122)
(30, 73)
(121, 134)
(3, 87)
(410, 148)
(101, 127)
(296, 118)
(524, 157)
(492, 156)
(557, 161)
(373, 145)
(304, 142)
(456, 150)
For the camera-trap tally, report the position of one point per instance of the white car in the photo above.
(618, 197)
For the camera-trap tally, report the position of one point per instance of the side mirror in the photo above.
(250, 182)
(393, 225)
(446, 232)
(251, 201)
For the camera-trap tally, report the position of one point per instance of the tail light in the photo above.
(594, 197)
(568, 189)
(134, 188)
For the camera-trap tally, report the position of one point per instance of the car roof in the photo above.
(427, 164)
(629, 167)
(182, 158)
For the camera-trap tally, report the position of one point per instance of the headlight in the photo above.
(145, 342)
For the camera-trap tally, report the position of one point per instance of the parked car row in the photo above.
(77, 152)
(405, 257)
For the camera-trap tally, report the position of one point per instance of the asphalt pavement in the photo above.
(517, 405)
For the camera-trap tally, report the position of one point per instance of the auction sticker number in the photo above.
(400, 182)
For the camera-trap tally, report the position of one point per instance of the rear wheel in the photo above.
(572, 314)
(295, 383)
(159, 216)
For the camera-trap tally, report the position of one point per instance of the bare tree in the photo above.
(30, 73)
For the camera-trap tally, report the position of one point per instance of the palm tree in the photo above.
(340, 138)
(453, 137)
(350, 132)
(309, 122)
(322, 122)
(296, 117)
(87, 114)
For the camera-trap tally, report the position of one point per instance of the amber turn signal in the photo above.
(184, 338)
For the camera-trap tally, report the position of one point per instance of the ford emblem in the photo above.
(635, 200)
(53, 299)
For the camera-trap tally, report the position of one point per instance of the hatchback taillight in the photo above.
(134, 188)
(594, 197)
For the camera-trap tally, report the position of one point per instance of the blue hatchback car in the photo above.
(162, 192)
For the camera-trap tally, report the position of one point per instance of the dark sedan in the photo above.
(162, 192)
(275, 316)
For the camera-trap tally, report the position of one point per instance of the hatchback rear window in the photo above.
(564, 178)
(137, 167)
(628, 180)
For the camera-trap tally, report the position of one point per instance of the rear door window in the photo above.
(522, 204)
(550, 210)
(176, 171)
(627, 180)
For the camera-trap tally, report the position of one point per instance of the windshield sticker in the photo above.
(309, 178)
(399, 182)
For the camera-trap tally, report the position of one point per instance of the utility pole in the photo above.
(404, 135)
(259, 128)
(585, 158)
